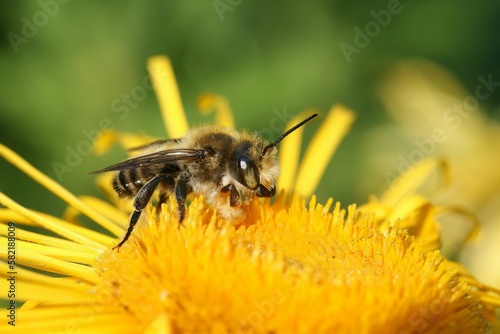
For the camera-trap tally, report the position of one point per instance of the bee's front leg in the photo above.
(234, 195)
(182, 189)
(262, 191)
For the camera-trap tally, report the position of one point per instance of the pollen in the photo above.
(272, 276)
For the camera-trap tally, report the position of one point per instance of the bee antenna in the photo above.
(286, 133)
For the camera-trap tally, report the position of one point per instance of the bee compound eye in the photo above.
(248, 172)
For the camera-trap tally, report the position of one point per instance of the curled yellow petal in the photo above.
(107, 139)
(208, 103)
(472, 218)
(406, 183)
(169, 98)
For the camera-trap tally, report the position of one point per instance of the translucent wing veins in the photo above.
(160, 157)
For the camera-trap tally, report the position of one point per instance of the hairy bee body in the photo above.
(208, 175)
(228, 167)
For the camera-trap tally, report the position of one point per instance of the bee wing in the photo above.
(160, 157)
(155, 143)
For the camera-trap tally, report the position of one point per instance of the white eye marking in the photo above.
(243, 164)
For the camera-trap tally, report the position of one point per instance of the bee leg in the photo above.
(167, 186)
(140, 202)
(234, 195)
(181, 192)
(262, 191)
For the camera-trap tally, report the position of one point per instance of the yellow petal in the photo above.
(83, 318)
(24, 275)
(69, 231)
(289, 152)
(41, 239)
(320, 150)
(44, 293)
(169, 98)
(106, 209)
(49, 264)
(56, 189)
(161, 325)
(84, 257)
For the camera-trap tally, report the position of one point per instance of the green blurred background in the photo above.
(61, 76)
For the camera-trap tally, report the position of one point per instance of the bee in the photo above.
(226, 166)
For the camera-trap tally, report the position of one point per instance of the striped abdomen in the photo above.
(127, 182)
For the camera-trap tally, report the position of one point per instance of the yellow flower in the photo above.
(447, 121)
(291, 267)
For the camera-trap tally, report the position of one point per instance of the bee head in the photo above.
(247, 172)
(245, 157)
